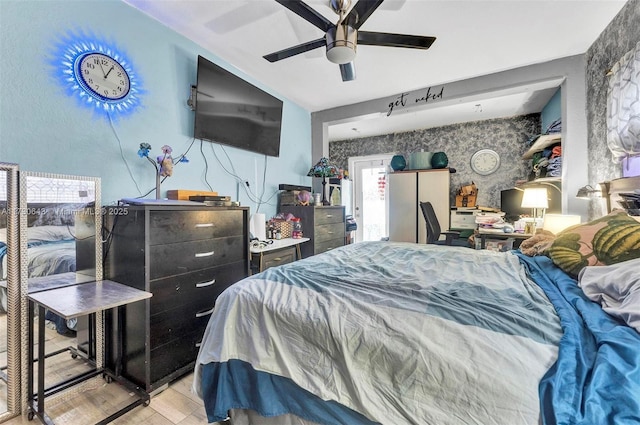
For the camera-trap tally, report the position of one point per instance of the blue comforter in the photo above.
(401, 333)
(596, 379)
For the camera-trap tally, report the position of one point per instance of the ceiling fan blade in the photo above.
(295, 50)
(307, 13)
(348, 71)
(394, 40)
(361, 12)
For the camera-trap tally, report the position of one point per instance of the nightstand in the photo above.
(275, 253)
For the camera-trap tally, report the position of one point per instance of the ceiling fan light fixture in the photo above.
(341, 44)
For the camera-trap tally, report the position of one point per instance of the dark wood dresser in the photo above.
(184, 256)
(324, 226)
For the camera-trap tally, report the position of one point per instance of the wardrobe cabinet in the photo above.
(406, 190)
(184, 256)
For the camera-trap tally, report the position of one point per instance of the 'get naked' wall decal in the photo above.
(408, 100)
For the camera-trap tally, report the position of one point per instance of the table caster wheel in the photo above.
(146, 403)
(74, 356)
(108, 379)
(30, 416)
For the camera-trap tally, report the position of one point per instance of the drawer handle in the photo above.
(277, 259)
(200, 225)
(204, 254)
(204, 313)
(331, 233)
(198, 344)
(205, 284)
(329, 215)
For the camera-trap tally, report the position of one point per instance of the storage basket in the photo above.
(499, 245)
(285, 227)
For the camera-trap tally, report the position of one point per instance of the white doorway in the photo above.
(370, 197)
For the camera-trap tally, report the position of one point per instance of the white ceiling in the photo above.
(474, 38)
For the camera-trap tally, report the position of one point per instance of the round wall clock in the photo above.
(98, 74)
(485, 162)
(102, 77)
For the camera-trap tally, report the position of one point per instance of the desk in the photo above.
(500, 234)
(69, 302)
(278, 246)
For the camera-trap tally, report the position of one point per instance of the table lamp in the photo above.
(535, 198)
(323, 169)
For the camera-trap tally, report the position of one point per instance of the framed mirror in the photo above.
(60, 245)
(9, 293)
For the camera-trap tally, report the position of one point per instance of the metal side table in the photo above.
(70, 302)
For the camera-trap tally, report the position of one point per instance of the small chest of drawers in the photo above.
(184, 256)
(324, 226)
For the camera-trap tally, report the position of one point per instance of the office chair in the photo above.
(434, 231)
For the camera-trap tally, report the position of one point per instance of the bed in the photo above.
(395, 333)
(51, 243)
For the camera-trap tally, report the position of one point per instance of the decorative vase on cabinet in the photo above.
(398, 163)
(439, 160)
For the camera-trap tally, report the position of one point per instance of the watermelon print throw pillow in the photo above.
(607, 240)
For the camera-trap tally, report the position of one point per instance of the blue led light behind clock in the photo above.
(98, 74)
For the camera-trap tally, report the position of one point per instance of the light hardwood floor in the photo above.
(95, 400)
(175, 405)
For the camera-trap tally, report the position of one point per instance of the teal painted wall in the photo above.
(43, 129)
(551, 111)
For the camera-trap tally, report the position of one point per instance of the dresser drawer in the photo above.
(179, 258)
(328, 215)
(278, 258)
(195, 287)
(327, 232)
(175, 323)
(328, 245)
(175, 355)
(180, 226)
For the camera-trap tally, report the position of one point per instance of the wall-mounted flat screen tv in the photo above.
(233, 112)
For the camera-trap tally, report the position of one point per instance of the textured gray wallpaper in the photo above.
(622, 34)
(507, 136)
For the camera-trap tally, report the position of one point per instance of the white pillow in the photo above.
(616, 288)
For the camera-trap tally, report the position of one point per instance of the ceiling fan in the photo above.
(342, 38)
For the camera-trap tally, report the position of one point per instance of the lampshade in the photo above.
(555, 223)
(535, 197)
(323, 169)
(586, 192)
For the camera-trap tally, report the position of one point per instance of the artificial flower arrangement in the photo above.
(163, 164)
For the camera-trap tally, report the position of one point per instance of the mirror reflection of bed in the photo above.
(57, 222)
(60, 223)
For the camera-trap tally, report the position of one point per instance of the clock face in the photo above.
(102, 77)
(485, 162)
